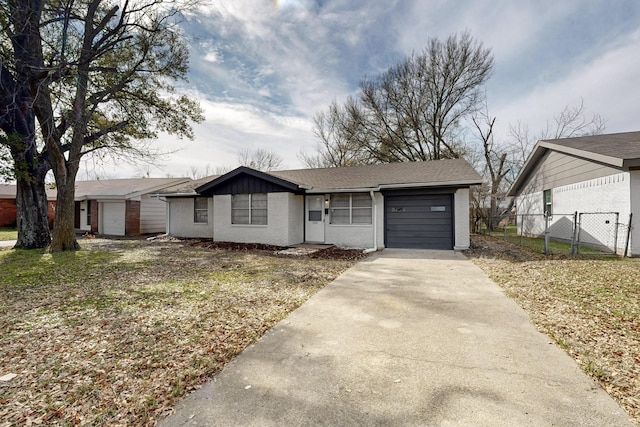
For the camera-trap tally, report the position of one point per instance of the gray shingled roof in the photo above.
(618, 150)
(624, 146)
(8, 191)
(122, 187)
(187, 187)
(438, 172)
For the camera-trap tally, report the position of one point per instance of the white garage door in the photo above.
(113, 218)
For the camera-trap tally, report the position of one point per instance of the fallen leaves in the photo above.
(115, 333)
(591, 308)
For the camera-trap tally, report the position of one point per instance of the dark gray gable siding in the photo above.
(244, 180)
(246, 184)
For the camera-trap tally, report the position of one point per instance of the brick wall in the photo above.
(51, 214)
(132, 218)
(7, 213)
(94, 215)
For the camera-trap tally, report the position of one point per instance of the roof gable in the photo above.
(620, 151)
(245, 180)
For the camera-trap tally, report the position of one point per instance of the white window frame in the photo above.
(200, 210)
(350, 209)
(250, 209)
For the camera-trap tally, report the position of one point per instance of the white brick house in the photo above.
(599, 173)
(414, 205)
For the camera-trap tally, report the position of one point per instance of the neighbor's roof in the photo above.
(8, 191)
(455, 172)
(618, 150)
(122, 188)
(187, 187)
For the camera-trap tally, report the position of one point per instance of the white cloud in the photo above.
(605, 83)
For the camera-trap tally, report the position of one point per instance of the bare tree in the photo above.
(338, 142)
(411, 112)
(572, 121)
(259, 159)
(501, 162)
(95, 75)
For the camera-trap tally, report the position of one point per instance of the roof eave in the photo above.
(600, 158)
(458, 183)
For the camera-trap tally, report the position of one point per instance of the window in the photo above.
(200, 210)
(88, 212)
(351, 209)
(249, 209)
(547, 208)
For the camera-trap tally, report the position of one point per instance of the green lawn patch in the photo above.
(8, 234)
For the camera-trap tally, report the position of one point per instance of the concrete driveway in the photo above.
(406, 337)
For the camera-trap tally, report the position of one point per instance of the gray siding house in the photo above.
(589, 174)
(122, 207)
(401, 205)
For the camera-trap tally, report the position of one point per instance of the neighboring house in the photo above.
(599, 173)
(398, 205)
(8, 205)
(122, 207)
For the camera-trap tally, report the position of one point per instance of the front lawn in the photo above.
(8, 234)
(589, 306)
(115, 333)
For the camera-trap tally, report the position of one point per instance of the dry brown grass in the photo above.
(115, 333)
(590, 307)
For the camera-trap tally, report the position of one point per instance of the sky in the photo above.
(262, 69)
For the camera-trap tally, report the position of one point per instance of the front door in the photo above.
(314, 219)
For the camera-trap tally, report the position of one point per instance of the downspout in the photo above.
(375, 225)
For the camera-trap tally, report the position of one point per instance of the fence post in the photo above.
(579, 230)
(615, 234)
(573, 235)
(626, 245)
(546, 234)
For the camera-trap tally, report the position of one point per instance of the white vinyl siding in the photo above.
(153, 215)
(350, 209)
(249, 209)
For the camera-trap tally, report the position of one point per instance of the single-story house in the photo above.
(8, 211)
(122, 207)
(587, 174)
(118, 207)
(398, 205)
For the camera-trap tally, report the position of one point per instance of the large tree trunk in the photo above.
(32, 215)
(64, 235)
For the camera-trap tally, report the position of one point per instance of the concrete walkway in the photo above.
(8, 243)
(405, 338)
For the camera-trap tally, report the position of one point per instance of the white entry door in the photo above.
(314, 219)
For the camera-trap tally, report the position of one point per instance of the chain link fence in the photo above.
(594, 233)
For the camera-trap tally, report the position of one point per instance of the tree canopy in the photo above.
(97, 76)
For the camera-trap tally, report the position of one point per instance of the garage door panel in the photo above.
(113, 218)
(419, 221)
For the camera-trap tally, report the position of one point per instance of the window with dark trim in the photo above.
(351, 208)
(88, 212)
(548, 202)
(249, 209)
(200, 210)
